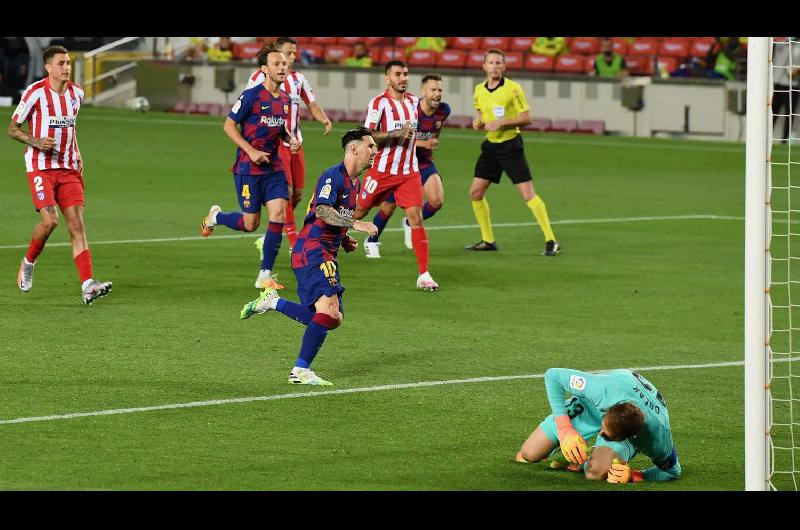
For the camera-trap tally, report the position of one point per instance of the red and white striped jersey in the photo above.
(384, 114)
(297, 86)
(49, 113)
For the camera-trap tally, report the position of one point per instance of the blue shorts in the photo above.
(425, 173)
(586, 418)
(254, 191)
(321, 279)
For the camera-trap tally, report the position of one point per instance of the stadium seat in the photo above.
(402, 42)
(335, 53)
(246, 51)
(375, 55)
(643, 47)
(354, 116)
(475, 59)
(539, 124)
(335, 115)
(324, 40)
(591, 127)
(183, 107)
(639, 65)
(465, 43)
(513, 60)
(668, 64)
(302, 40)
(422, 58)
(674, 48)
(305, 114)
(212, 109)
(564, 126)
(389, 53)
(588, 63)
(375, 41)
(452, 59)
(317, 51)
(569, 63)
(584, 45)
(521, 44)
(501, 43)
(682, 39)
(539, 63)
(463, 122)
(349, 41)
(700, 48)
(619, 45)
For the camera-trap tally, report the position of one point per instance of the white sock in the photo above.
(273, 304)
(28, 262)
(86, 284)
(266, 272)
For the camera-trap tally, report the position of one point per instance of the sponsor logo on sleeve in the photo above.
(373, 115)
(577, 382)
(325, 192)
(236, 106)
(20, 108)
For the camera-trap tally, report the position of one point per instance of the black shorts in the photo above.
(508, 156)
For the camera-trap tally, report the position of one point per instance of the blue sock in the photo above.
(379, 220)
(233, 220)
(315, 334)
(295, 311)
(272, 244)
(428, 211)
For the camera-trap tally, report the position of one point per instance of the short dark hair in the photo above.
(263, 53)
(431, 77)
(283, 40)
(355, 134)
(51, 51)
(396, 62)
(625, 420)
(494, 50)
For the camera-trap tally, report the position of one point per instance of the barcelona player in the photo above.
(432, 115)
(621, 410)
(263, 112)
(314, 263)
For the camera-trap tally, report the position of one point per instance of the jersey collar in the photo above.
(501, 83)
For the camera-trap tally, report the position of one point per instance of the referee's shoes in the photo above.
(551, 248)
(482, 245)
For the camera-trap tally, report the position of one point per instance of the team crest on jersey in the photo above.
(74, 102)
(286, 109)
(577, 382)
(325, 192)
(438, 124)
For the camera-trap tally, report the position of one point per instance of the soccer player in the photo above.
(625, 414)
(55, 167)
(263, 112)
(502, 108)
(294, 163)
(432, 115)
(393, 117)
(314, 263)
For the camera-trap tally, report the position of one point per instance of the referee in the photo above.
(502, 108)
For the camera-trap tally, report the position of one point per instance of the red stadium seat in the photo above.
(246, 50)
(619, 45)
(539, 63)
(700, 48)
(465, 43)
(304, 113)
(591, 126)
(588, 63)
(375, 55)
(584, 45)
(375, 41)
(389, 53)
(302, 40)
(514, 60)
(452, 59)
(403, 42)
(521, 44)
(564, 126)
(422, 58)
(674, 48)
(682, 39)
(501, 43)
(475, 59)
(183, 107)
(639, 65)
(569, 63)
(324, 40)
(335, 115)
(643, 47)
(349, 41)
(463, 122)
(335, 53)
(316, 50)
(354, 116)
(212, 109)
(539, 124)
(668, 64)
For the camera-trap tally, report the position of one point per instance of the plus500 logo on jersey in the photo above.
(272, 121)
(61, 122)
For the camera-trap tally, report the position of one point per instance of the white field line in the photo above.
(195, 404)
(429, 228)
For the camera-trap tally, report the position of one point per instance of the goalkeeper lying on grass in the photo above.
(621, 410)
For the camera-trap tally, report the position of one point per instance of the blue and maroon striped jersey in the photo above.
(429, 127)
(263, 119)
(318, 241)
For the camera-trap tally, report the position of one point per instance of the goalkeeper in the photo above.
(620, 410)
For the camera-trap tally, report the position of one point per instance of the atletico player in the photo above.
(55, 167)
(263, 112)
(393, 117)
(622, 409)
(314, 263)
(432, 115)
(294, 163)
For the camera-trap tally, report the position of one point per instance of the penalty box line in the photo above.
(400, 386)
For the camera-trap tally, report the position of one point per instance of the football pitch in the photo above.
(432, 391)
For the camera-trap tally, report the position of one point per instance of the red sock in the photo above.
(289, 227)
(419, 238)
(34, 249)
(84, 263)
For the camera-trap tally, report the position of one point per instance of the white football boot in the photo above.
(407, 234)
(426, 283)
(306, 376)
(25, 275)
(372, 250)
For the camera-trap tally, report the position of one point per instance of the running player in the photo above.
(432, 115)
(621, 410)
(314, 255)
(393, 117)
(263, 112)
(55, 167)
(294, 164)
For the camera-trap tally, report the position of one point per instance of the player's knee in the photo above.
(476, 195)
(50, 224)
(250, 225)
(436, 202)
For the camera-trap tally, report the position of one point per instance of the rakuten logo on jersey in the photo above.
(273, 121)
(346, 212)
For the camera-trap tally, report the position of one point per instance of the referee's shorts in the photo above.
(508, 156)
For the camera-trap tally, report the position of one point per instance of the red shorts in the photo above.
(294, 165)
(407, 189)
(63, 187)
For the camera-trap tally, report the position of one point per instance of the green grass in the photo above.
(622, 294)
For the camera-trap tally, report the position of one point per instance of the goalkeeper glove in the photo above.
(621, 473)
(573, 446)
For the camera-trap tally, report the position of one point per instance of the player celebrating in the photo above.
(55, 167)
(502, 108)
(432, 115)
(294, 163)
(393, 117)
(314, 254)
(625, 412)
(263, 113)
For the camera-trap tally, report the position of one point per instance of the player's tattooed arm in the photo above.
(332, 217)
(381, 137)
(16, 132)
